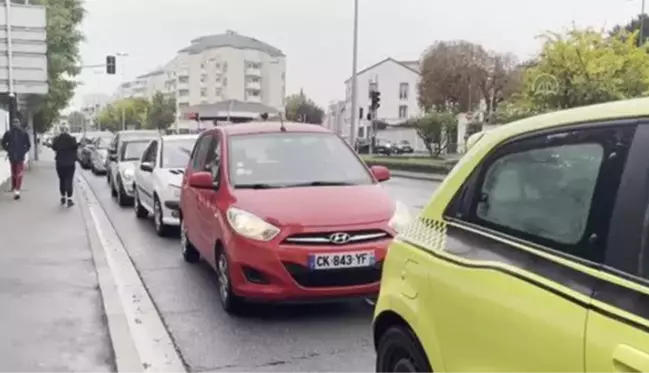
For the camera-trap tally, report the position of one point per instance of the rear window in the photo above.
(293, 159)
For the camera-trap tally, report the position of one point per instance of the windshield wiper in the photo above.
(323, 183)
(257, 186)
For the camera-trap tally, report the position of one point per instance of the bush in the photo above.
(412, 164)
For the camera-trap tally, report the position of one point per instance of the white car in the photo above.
(122, 169)
(158, 180)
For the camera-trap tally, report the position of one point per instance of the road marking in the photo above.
(150, 338)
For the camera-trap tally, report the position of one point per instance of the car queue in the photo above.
(530, 256)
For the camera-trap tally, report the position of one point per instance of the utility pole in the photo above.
(122, 57)
(13, 101)
(354, 113)
(642, 16)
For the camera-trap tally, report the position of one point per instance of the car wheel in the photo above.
(161, 228)
(113, 191)
(122, 198)
(230, 302)
(190, 254)
(140, 211)
(400, 351)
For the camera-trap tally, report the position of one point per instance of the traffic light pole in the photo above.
(354, 113)
(13, 100)
(371, 131)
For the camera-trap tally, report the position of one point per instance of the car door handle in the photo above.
(629, 359)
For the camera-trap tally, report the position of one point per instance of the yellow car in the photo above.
(532, 255)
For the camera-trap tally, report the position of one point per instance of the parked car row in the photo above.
(384, 147)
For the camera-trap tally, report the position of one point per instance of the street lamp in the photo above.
(122, 58)
(353, 114)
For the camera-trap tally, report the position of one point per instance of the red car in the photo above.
(286, 212)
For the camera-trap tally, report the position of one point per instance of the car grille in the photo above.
(334, 277)
(324, 238)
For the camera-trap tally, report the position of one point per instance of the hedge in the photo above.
(411, 164)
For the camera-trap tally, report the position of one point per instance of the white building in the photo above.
(218, 68)
(334, 118)
(92, 104)
(397, 81)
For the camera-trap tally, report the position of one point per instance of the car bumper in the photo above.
(171, 213)
(272, 272)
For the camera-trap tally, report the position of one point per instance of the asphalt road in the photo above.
(314, 338)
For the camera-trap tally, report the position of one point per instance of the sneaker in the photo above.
(70, 202)
(16, 195)
(63, 200)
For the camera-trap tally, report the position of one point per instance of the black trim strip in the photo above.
(474, 246)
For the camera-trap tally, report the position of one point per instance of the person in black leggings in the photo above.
(65, 147)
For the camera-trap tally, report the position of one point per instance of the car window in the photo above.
(132, 150)
(544, 192)
(146, 155)
(213, 160)
(293, 158)
(176, 153)
(200, 152)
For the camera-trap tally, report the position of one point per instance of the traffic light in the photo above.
(110, 65)
(375, 99)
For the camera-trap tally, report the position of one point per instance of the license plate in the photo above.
(356, 259)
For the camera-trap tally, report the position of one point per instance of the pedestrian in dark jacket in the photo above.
(65, 147)
(16, 143)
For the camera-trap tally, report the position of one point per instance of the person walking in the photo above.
(16, 143)
(65, 146)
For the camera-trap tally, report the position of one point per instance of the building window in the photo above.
(225, 67)
(183, 92)
(203, 92)
(253, 92)
(183, 79)
(218, 92)
(403, 91)
(225, 82)
(203, 78)
(403, 111)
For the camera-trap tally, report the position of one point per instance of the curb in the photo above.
(418, 176)
(140, 341)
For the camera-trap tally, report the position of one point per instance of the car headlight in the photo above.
(250, 225)
(401, 217)
(175, 191)
(128, 173)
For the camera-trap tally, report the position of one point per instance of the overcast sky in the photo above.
(316, 35)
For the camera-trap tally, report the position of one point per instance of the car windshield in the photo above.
(176, 153)
(132, 151)
(274, 160)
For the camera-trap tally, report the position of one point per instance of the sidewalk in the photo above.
(51, 312)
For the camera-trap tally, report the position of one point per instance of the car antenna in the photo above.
(281, 123)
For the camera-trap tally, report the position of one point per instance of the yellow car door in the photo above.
(522, 249)
(617, 335)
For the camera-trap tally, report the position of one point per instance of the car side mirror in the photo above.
(202, 180)
(146, 166)
(112, 157)
(381, 173)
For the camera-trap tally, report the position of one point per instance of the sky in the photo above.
(316, 35)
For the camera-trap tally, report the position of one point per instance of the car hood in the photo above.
(318, 206)
(125, 165)
(102, 152)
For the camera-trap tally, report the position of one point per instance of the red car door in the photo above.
(191, 197)
(213, 214)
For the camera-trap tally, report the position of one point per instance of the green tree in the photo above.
(161, 113)
(77, 121)
(434, 129)
(128, 112)
(109, 119)
(583, 67)
(64, 36)
(299, 108)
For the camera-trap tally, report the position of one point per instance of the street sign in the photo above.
(29, 49)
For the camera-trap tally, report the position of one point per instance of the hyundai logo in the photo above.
(339, 238)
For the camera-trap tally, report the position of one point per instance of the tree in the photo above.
(434, 129)
(503, 78)
(161, 113)
(128, 112)
(109, 119)
(633, 26)
(451, 76)
(64, 18)
(583, 67)
(299, 108)
(77, 121)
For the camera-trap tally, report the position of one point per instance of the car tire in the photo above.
(161, 229)
(140, 211)
(231, 303)
(113, 191)
(399, 350)
(122, 199)
(190, 254)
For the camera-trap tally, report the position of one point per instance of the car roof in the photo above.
(250, 128)
(180, 137)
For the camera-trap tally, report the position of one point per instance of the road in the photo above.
(271, 339)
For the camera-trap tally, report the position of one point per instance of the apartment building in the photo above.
(92, 104)
(334, 117)
(397, 81)
(218, 68)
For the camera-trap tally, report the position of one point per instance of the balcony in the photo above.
(253, 72)
(253, 85)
